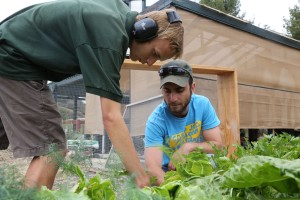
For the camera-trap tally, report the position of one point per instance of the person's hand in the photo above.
(179, 155)
(186, 148)
(142, 180)
(171, 166)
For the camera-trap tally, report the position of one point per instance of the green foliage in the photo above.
(253, 171)
(86, 189)
(70, 164)
(275, 174)
(95, 188)
(47, 194)
(282, 146)
(231, 7)
(197, 164)
(203, 188)
(292, 25)
(266, 169)
(11, 185)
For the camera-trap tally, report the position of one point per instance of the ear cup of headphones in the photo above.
(144, 30)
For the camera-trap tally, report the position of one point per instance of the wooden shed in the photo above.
(265, 64)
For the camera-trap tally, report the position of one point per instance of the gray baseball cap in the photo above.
(175, 71)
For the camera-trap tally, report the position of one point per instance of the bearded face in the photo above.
(177, 98)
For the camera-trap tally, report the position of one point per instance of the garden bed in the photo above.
(266, 169)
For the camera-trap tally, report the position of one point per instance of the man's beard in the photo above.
(183, 111)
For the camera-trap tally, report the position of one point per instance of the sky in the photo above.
(268, 12)
(263, 12)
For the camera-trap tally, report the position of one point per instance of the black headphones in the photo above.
(146, 29)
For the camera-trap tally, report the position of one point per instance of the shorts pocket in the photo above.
(38, 85)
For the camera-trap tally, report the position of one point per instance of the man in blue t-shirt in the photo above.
(183, 122)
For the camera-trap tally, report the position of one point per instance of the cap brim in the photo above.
(178, 80)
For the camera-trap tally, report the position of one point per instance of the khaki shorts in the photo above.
(29, 120)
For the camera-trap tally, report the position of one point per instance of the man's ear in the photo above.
(193, 86)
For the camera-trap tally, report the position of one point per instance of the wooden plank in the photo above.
(197, 69)
(228, 109)
(203, 69)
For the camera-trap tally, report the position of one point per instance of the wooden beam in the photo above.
(197, 69)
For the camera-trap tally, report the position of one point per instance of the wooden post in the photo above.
(228, 109)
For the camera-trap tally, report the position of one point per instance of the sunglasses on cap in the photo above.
(173, 70)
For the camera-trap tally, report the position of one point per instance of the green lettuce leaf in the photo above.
(47, 194)
(253, 171)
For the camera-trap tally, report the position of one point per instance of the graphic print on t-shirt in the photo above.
(190, 134)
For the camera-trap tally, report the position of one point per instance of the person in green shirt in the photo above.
(58, 39)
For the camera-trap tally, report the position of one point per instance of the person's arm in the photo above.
(120, 138)
(211, 136)
(153, 159)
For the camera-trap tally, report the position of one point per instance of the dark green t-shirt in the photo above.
(58, 39)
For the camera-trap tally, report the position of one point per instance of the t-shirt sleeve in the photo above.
(210, 118)
(100, 68)
(153, 134)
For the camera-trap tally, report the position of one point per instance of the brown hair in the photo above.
(172, 32)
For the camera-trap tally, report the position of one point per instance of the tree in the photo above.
(292, 25)
(231, 7)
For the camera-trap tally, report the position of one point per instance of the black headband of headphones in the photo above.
(146, 29)
(173, 17)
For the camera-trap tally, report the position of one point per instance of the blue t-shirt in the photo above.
(165, 129)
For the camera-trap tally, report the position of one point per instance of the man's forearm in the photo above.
(120, 138)
(186, 148)
(153, 158)
(207, 146)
